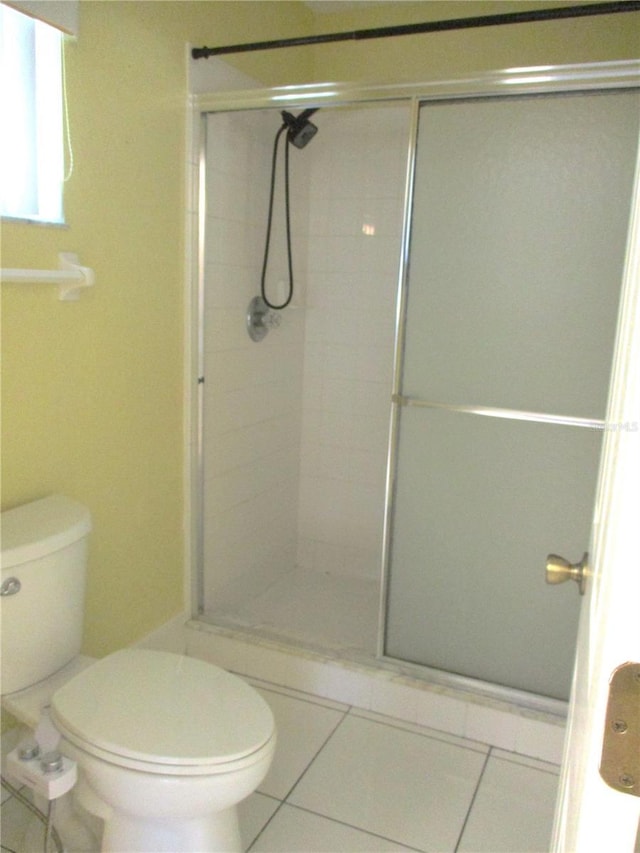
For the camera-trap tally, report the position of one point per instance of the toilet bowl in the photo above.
(166, 745)
(170, 744)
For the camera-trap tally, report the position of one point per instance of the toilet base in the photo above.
(218, 833)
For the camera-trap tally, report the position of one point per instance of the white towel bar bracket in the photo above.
(70, 278)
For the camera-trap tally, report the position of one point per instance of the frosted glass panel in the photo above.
(519, 224)
(479, 503)
(518, 236)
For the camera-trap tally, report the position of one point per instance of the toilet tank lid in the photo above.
(41, 527)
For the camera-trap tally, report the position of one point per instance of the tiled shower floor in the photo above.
(318, 609)
(349, 780)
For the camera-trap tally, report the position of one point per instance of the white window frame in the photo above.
(31, 107)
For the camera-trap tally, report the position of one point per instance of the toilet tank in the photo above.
(44, 551)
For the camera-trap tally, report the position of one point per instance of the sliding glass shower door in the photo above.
(520, 212)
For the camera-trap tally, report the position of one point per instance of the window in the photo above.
(31, 108)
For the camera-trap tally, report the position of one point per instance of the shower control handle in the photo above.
(560, 570)
(261, 318)
(270, 320)
(11, 586)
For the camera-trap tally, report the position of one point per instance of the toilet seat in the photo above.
(163, 713)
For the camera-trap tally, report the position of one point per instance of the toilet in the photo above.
(166, 745)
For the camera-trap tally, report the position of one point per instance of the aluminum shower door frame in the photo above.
(509, 82)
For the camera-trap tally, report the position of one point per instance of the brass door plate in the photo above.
(620, 763)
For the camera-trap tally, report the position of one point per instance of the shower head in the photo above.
(300, 130)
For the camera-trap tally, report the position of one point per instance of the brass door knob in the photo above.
(560, 570)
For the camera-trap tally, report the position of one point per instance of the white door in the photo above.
(591, 816)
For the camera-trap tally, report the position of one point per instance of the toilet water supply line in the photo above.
(37, 763)
(50, 832)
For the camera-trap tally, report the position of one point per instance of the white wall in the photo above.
(357, 183)
(252, 392)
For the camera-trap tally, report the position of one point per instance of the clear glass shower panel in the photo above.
(519, 227)
(250, 392)
(479, 503)
(295, 425)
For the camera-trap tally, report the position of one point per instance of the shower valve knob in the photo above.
(260, 318)
(271, 319)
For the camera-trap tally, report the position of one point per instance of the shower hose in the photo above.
(50, 833)
(263, 289)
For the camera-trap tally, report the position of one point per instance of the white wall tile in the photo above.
(395, 700)
(326, 372)
(441, 712)
(383, 692)
(345, 431)
(540, 739)
(493, 726)
(217, 649)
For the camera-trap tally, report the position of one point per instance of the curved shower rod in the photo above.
(584, 10)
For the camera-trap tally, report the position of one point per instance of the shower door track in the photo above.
(589, 77)
(506, 414)
(535, 80)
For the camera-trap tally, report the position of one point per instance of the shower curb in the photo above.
(385, 688)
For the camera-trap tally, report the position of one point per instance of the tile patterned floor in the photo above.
(350, 780)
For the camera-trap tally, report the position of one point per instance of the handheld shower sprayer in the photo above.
(299, 132)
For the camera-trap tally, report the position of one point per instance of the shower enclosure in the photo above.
(383, 473)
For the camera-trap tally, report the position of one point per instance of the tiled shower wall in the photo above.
(296, 426)
(252, 390)
(355, 219)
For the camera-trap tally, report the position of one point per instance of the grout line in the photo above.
(354, 826)
(280, 804)
(412, 728)
(473, 799)
(316, 754)
(3, 847)
(294, 693)
(527, 761)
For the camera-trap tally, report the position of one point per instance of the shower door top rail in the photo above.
(496, 412)
(530, 80)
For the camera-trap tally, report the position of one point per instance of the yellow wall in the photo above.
(439, 55)
(93, 390)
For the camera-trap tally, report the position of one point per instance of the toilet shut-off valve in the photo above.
(49, 774)
(37, 763)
